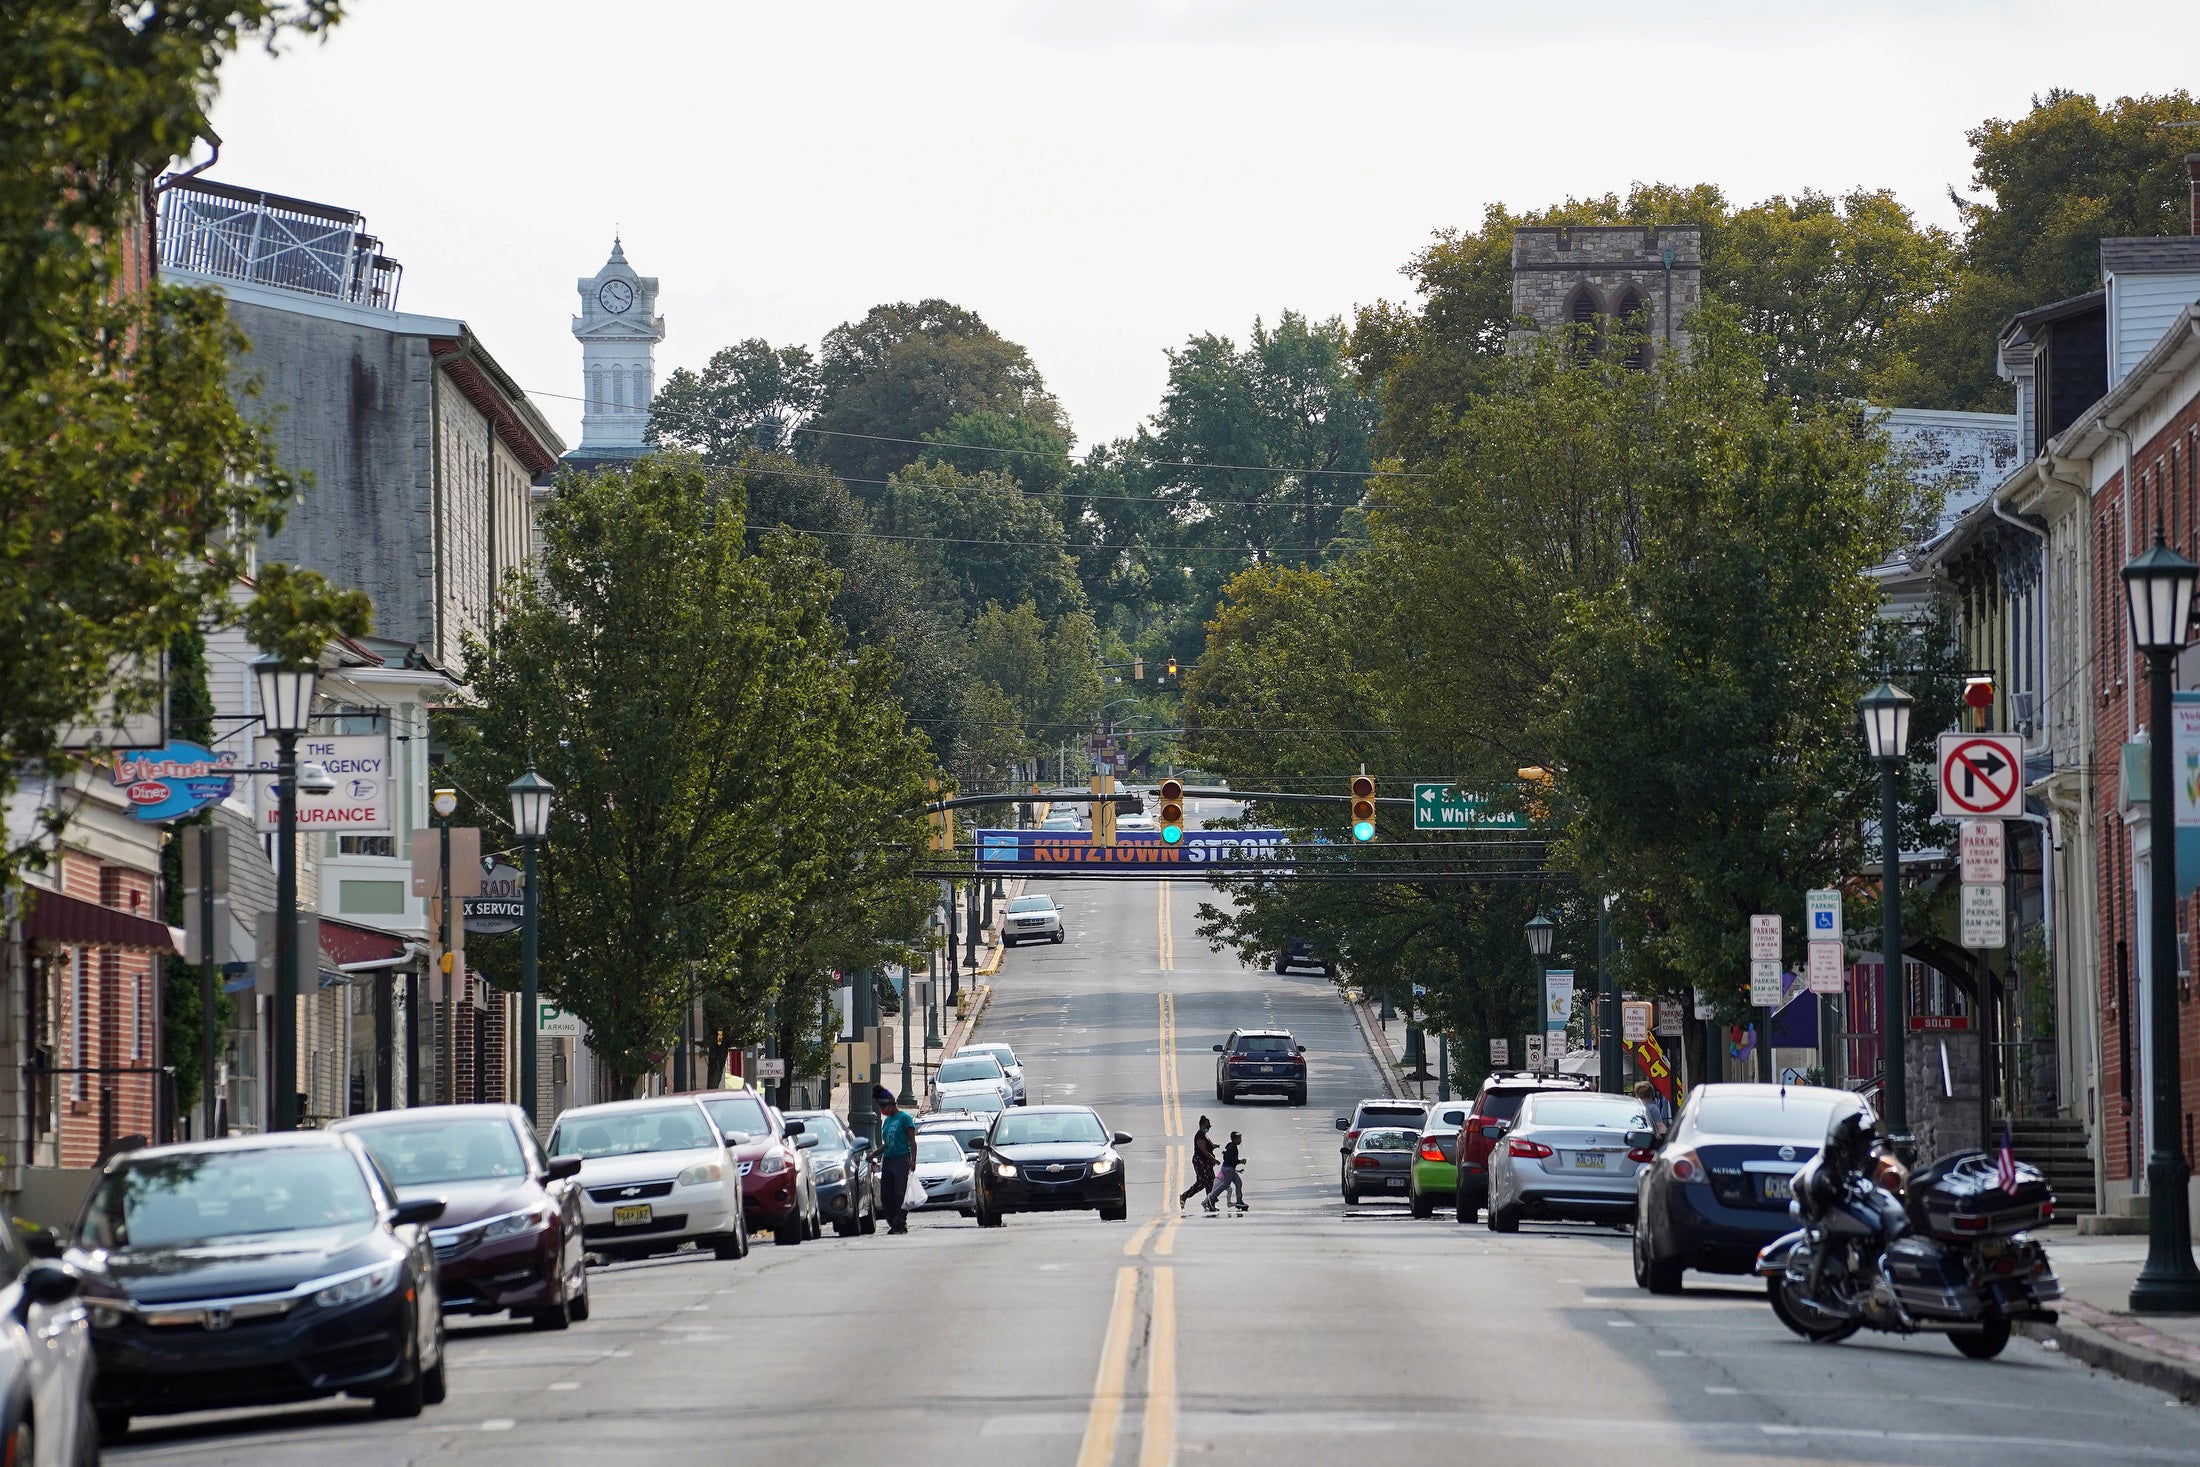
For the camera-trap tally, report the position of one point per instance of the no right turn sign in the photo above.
(1981, 776)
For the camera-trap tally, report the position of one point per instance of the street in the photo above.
(1300, 1332)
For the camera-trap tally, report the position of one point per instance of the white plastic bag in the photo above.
(913, 1194)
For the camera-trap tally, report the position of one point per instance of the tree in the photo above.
(692, 700)
(978, 538)
(128, 467)
(749, 395)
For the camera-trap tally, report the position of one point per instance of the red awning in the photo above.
(65, 921)
(345, 943)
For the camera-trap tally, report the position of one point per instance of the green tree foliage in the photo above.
(122, 454)
(294, 613)
(978, 538)
(2059, 180)
(1044, 673)
(749, 395)
(190, 716)
(725, 770)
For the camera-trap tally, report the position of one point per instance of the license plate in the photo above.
(1267, 1069)
(1589, 1161)
(626, 1217)
(1778, 1188)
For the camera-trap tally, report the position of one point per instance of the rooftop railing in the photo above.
(216, 229)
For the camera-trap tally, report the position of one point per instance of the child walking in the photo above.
(1227, 1180)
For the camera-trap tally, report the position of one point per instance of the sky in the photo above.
(1098, 179)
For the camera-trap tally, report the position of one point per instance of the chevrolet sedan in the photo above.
(1049, 1158)
(655, 1175)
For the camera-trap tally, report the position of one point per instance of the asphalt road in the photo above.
(1301, 1332)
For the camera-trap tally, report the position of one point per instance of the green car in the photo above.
(1434, 1180)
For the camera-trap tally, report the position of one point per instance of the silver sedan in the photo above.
(944, 1169)
(1565, 1155)
(1382, 1161)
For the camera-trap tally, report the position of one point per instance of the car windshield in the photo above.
(1390, 1115)
(1000, 1052)
(825, 1126)
(1025, 1129)
(940, 1150)
(1608, 1112)
(630, 1132)
(1266, 1044)
(470, 1149)
(966, 1135)
(731, 1113)
(1770, 1115)
(970, 1067)
(199, 1196)
(1389, 1139)
(1501, 1105)
(1032, 904)
(981, 1102)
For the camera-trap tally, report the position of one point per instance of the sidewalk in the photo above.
(2096, 1325)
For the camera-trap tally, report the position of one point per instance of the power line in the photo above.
(1022, 492)
(1065, 547)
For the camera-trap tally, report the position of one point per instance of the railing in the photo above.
(215, 229)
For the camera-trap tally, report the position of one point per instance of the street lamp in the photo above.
(1886, 710)
(531, 798)
(1540, 931)
(2158, 584)
(286, 707)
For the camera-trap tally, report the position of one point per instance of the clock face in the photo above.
(617, 297)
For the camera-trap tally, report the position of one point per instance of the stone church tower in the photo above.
(618, 329)
(1634, 286)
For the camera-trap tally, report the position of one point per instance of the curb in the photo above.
(2122, 1346)
(959, 1035)
(1378, 1050)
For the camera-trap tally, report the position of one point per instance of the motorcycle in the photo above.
(1943, 1250)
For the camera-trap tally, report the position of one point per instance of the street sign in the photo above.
(361, 802)
(1501, 1052)
(552, 1022)
(1985, 923)
(1827, 968)
(1669, 1017)
(771, 1069)
(1981, 776)
(1558, 999)
(1703, 1007)
(1634, 1022)
(1822, 915)
(1764, 983)
(1764, 938)
(1984, 852)
(502, 905)
(425, 847)
(1441, 806)
(1534, 1046)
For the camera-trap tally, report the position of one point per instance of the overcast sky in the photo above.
(1098, 179)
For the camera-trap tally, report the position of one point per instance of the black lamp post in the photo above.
(2158, 584)
(1540, 931)
(1887, 736)
(531, 797)
(286, 707)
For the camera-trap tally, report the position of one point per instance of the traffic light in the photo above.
(1172, 811)
(1138, 669)
(1172, 667)
(942, 823)
(1363, 807)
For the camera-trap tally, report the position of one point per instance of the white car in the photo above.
(1136, 822)
(962, 1078)
(945, 1170)
(45, 1362)
(1010, 1066)
(1032, 919)
(654, 1174)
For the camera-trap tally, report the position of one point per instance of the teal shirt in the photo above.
(898, 1135)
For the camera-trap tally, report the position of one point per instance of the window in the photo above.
(1631, 319)
(366, 845)
(1584, 324)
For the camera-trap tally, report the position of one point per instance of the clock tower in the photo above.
(618, 329)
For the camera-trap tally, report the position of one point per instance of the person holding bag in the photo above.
(897, 1158)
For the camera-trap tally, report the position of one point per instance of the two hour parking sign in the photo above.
(1981, 776)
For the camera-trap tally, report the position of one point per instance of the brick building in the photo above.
(1614, 281)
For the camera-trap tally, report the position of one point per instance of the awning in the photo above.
(347, 944)
(66, 921)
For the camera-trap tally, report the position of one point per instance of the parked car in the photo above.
(1050, 1158)
(1382, 1156)
(1062, 820)
(1136, 820)
(778, 1192)
(1435, 1179)
(962, 1076)
(1260, 1061)
(1407, 1114)
(655, 1176)
(967, 1127)
(1569, 1157)
(46, 1415)
(298, 1237)
(1719, 1188)
(1010, 1066)
(946, 1171)
(509, 1240)
(1495, 1105)
(843, 1172)
(1298, 952)
(1032, 919)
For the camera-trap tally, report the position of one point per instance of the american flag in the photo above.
(2005, 1166)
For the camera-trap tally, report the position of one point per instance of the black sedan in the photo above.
(1718, 1191)
(509, 1240)
(843, 1170)
(255, 1271)
(1049, 1158)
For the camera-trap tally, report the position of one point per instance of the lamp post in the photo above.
(908, 1095)
(1540, 931)
(1887, 736)
(531, 798)
(286, 707)
(1611, 1072)
(2158, 583)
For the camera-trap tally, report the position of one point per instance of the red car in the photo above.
(1494, 1108)
(509, 1238)
(776, 1188)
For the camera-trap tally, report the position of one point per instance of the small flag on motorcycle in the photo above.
(2005, 1168)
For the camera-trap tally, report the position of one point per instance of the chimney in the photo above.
(2192, 173)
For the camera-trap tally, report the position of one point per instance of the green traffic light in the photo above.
(1363, 830)
(1172, 833)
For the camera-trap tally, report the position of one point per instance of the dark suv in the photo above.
(1260, 1061)
(1495, 1105)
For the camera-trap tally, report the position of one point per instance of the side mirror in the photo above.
(1343, 1124)
(796, 1128)
(861, 1143)
(1218, 1049)
(1641, 1140)
(417, 1213)
(562, 1167)
(47, 1282)
(41, 1242)
(1122, 1138)
(806, 1142)
(1302, 1049)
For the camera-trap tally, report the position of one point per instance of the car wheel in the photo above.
(554, 1316)
(1060, 935)
(988, 1218)
(1229, 1095)
(1503, 1219)
(113, 1423)
(578, 1306)
(847, 1227)
(869, 1225)
(403, 1401)
(790, 1232)
(1657, 1275)
(1423, 1204)
(1351, 1196)
(1298, 1097)
(1117, 1213)
(1463, 1207)
(433, 1387)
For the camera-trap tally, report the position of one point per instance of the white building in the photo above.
(618, 329)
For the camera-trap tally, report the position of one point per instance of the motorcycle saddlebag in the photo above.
(1960, 1197)
(1929, 1280)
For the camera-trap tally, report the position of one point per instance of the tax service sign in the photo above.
(361, 802)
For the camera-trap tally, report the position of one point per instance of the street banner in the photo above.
(1651, 1056)
(179, 779)
(1042, 852)
(361, 803)
(1558, 1000)
(1827, 967)
(1634, 1022)
(1501, 1052)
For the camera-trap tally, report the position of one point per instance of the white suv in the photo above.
(1032, 919)
(1009, 1064)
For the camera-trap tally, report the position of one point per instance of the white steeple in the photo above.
(618, 329)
